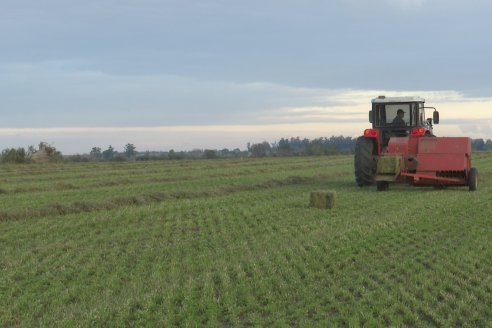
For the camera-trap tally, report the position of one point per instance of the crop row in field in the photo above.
(118, 186)
(244, 250)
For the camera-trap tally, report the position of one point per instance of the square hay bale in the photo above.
(389, 165)
(322, 199)
(40, 157)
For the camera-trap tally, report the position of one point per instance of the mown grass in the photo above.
(235, 244)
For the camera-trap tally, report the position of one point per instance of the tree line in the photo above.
(482, 145)
(46, 153)
(303, 147)
(130, 153)
(325, 146)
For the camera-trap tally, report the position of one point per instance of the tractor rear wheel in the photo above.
(473, 179)
(364, 162)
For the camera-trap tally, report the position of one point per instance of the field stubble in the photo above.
(234, 243)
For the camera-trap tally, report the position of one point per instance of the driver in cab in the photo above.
(398, 120)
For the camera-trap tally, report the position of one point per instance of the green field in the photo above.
(233, 243)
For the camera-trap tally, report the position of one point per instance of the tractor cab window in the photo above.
(386, 115)
(417, 117)
(392, 114)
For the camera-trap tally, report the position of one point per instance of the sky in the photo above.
(186, 74)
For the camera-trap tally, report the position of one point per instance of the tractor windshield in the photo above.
(399, 115)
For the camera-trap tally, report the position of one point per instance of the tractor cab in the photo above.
(400, 117)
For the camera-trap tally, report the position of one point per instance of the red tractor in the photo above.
(401, 148)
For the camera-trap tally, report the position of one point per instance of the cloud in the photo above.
(338, 118)
(59, 93)
(405, 4)
(64, 93)
(77, 107)
(398, 4)
(481, 128)
(358, 44)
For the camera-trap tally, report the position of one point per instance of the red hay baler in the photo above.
(401, 148)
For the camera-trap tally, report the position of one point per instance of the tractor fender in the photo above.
(375, 136)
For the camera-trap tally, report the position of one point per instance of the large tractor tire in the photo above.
(364, 163)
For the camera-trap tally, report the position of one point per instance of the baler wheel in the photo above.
(364, 163)
(473, 179)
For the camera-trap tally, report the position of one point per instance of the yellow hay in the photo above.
(323, 199)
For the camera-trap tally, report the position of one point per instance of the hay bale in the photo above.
(40, 157)
(389, 165)
(323, 199)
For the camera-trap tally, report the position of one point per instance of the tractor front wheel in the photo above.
(364, 162)
(473, 179)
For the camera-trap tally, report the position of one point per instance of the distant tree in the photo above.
(260, 149)
(283, 147)
(78, 158)
(96, 153)
(176, 155)
(478, 144)
(171, 154)
(224, 153)
(315, 147)
(30, 150)
(119, 157)
(488, 145)
(209, 154)
(109, 153)
(147, 156)
(12, 155)
(194, 154)
(130, 150)
(300, 147)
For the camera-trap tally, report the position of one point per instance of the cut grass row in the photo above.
(206, 186)
(94, 204)
(115, 187)
(83, 170)
(91, 180)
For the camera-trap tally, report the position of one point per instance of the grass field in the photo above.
(234, 243)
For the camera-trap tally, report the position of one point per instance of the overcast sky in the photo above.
(189, 74)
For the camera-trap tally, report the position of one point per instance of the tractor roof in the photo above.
(383, 99)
